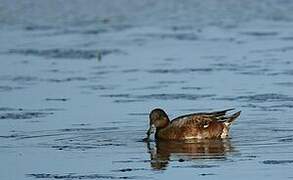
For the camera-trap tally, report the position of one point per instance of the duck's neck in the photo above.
(160, 129)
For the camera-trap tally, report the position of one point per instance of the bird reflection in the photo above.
(162, 152)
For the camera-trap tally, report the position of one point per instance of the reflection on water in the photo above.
(162, 152)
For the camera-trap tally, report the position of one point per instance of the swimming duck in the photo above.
(204, 125)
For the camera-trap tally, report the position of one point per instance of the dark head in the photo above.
(158, 119)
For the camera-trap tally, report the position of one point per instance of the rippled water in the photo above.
(75, 93)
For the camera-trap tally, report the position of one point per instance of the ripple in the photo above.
(24, 79)
(150, 87)
(76, 176)
(160, 96)
(138, 114)
(74, 139)
(260, 33)
(179, 71)
(170, 82)
(10, 109)
(127, 100)
(274, 162)
(203, 166)
(117, 95)
(268, 97)
(10, 88)
(57, 99)
(287, 38)
(287, 84)
(130, 71)
(288, 72)
(192, 88)
(207, 174)
(278, 107)
(99, 87)
(175, 96)
(69, 79)
(24, 115)
(57, 53)
(94, 31)
(282, 49)
(282, 130)
(176, 36)
(66, 53)
(35, 27)
(129, 169)
(290, 139)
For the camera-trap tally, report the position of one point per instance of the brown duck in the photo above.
(210, 125)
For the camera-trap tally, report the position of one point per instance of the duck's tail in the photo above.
(231, 118)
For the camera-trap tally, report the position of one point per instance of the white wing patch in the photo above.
(206, 125)
(190, 137)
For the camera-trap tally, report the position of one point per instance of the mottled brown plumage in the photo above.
(192, 126)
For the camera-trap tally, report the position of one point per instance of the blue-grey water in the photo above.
(78, 79)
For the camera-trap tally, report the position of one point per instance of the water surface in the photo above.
(75, 93)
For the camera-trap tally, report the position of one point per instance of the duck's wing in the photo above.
(214, 113)
(189, 121)
(200, 119)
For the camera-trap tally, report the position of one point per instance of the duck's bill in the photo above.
(150, 131)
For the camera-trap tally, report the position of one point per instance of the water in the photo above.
(78, 79)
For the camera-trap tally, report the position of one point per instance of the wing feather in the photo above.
(199, 119)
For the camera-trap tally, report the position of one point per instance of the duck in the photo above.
(202, 125)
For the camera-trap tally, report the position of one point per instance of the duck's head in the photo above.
(158, 119)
